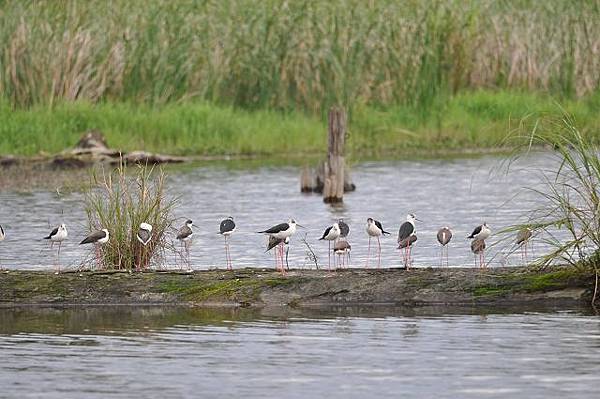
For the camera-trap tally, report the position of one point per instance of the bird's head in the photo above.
(230, 218)
(63, 226)
(189, 223)
(370, 221)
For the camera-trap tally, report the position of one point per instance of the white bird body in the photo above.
(59, 234)
(331, 233)
(481, 232)
(374, 228)
(282, 230)
(104, 240)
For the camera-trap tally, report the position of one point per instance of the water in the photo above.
(166, 352)
(461, 193)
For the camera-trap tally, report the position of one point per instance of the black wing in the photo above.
(406, 229)
(1, 230)
(95, 236)
(184, 232)
(344, 229)
(444, 236)
(273, 242)
(52, 233)
(327, 230)
(144, 236)
(380, 227)
(407, 242)
(476, 231)
(276, 229)
(226, 226)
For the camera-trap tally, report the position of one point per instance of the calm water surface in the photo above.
(461, 193)
(123, 352)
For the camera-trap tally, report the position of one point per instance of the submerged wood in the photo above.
(333, 169)
(506, 286)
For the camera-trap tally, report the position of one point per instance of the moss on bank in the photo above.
(257, 287)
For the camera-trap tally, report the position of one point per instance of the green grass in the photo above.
(471, 119)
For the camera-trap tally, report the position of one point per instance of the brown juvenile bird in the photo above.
(444, 236)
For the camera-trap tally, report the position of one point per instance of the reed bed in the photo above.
(286, 54)
(122, 199)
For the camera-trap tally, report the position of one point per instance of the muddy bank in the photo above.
(259, 288)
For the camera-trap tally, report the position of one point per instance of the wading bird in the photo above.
(375, 229)
(98, 238)
(282, 231)
(274, 242)
(522, 242)
(226, 229)
(478, 248)
(405, 233)
(481, 232)
(344, 228)
(2, 237)
(342, 250)
(406, 244)
(144, 236)
(331, 233)
(185, 235)
(444, 235)
(59, 234)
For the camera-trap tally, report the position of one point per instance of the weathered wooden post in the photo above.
(333, 189)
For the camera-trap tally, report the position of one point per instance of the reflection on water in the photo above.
(460, 193)
(336, 352)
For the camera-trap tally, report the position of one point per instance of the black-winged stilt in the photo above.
(275, 242)
(282, 231)
(444, 235)
(144, 236)
(331, 233)
(344, 228)
(481, 232)
(342, 249)
(185, 235)
(374, 229)
(98, 238)
(2, 237)
(58, 234)
(522, 241)
(226, 229)
(405, 233)
(478, 248)
(407, 244)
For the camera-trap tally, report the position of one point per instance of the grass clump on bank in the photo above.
(120, 202)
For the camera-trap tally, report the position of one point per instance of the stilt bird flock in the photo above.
(279, 237)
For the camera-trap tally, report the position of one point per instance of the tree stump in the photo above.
(333, 184)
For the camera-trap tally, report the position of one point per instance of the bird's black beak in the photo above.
(299, 225)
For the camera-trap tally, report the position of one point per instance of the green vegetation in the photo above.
(257, 76)
(120, 202)
(477, 119)
(293, 54)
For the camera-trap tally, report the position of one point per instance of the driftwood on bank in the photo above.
(331, 177)
(90, 149)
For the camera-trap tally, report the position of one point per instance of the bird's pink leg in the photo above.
(58, 256)
(378, 253)
(368, 254)
(329, 257)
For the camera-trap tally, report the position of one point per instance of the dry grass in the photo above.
(119, 201)
(294, 54)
